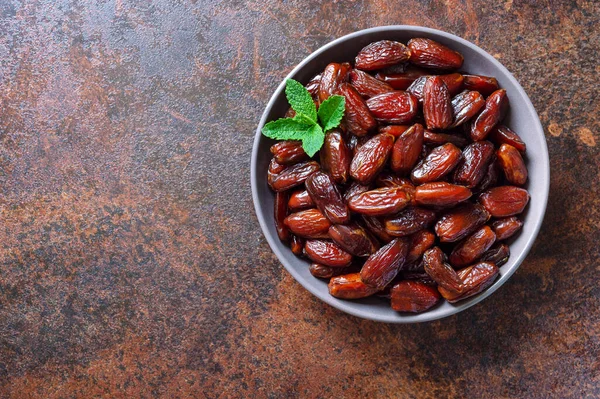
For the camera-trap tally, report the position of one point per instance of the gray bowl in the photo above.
(522, 118)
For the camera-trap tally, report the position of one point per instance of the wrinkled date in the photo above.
(474, 165)
(333, 75)
(409, 221)
(465, 106)
(310, 223)
(300, 200)
(326, 253)
(288, 152)
(441, 194)
(474, 278)
(381, 54)
(371, 158)
(336, 156)
(504, 201)
(413, 296)
(357, 118)
(441, 161)
(437, 106)
(428, 53)
(353, 239)
(407, 149)
(367, 85)
(495, 109)
(395, 107)
(380, 202)
(404, 189)
(350, 286)
(460, 222)
(294, 175)
(327, 198)
(381, 267)
(472, 247)
(512, 164)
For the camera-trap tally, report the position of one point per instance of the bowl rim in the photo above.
(274, 242)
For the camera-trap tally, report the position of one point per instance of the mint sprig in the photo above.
(308, 125)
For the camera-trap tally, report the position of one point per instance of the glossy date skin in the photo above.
(474, 165)
(354, 239)
(474, 278)
(473, 247)
(381, 267)
(333, 75)
(413, 297)
(310, 223)
(327, 198)
(370, 159)
(494, 111)
(380, 202)
(437, 105)
(427, 53)
(395, 107)
(327, 253)
(441, 161)
(357, 117)
(407, 149)
(336, 156)
(381, 54)
(350, 286)
(460, 222)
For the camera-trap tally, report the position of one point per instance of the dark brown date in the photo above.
(474, 165)
(420, 242)
(367, 85)
(353, 239)
(310, 223)
(354, 189)
(325, 272)
(440, 161)
(409, 221)
(281, 210)
(441, 194)
(437, 106)
(333, 75)
(297, 245)
(370, 159)
(377, 228)
(465, 106)
(394, 130)
(413, 297)
(491, 177)
(349, 286)
(407, 149)
(484, 84)
(275, 168)
(441, 272)
(437, 139)
(472, 247)
(357, 117)
(288, 152)
(380, 202)
(507, 227)
(386, 179)
(300, 200)
(381, 267)
(497, 255)
(402, 80)
(381, 54)
(395, 107)
(475, 279)
(327, 253)
(327, 198)
(335, 156)
(503, 135)
(495, 109)
(512, 164)
(459, 222)
(453, 82)
(294, 175)
(504, 201)
(428, 53)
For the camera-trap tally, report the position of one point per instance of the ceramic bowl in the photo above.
(522, 118)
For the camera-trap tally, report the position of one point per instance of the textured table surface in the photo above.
(132, 264)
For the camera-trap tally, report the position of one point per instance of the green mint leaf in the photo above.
(313, 140)
(331, 112)
(287, 129)
(300, 99)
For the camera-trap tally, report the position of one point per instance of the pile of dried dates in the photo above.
(412, 197)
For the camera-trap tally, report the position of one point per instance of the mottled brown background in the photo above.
(132, 264)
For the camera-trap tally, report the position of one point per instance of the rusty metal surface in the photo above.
(132, 264)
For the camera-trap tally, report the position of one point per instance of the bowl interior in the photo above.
(522, 118)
